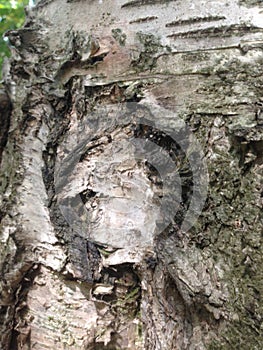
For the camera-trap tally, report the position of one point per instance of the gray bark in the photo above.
(111, 236)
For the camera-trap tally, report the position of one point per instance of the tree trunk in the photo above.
(131, 176)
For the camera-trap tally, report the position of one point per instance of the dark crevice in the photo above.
(87, 194)
(76, 63)
(5, 113)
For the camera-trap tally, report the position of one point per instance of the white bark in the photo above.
(103, 270)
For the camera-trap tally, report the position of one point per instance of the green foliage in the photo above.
(12, 16)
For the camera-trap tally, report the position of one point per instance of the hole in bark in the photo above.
(87, 194)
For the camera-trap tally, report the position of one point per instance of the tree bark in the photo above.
(112, 236)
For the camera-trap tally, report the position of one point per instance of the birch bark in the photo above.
(90, 259)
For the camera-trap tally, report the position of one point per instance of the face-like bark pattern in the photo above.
(117, 197)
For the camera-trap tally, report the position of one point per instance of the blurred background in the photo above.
(12, 16)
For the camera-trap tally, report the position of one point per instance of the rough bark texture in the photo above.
(99, 280)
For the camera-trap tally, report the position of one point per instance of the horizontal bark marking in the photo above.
(195, 20)
(138, 3)
(251, 3)
(144, 19)
(225, 31)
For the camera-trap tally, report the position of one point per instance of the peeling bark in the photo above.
(108, 237)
